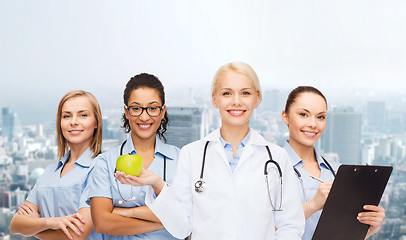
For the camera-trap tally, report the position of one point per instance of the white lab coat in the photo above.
(234, 205)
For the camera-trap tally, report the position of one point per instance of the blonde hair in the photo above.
(96, 143)
(239, 67)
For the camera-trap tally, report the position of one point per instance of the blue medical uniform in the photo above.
(103, 182)
(57, 196)
(310, 185)
(228, 149)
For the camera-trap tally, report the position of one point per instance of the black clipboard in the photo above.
(353, 187)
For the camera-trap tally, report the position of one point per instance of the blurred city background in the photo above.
(367, 131)
(353, 51)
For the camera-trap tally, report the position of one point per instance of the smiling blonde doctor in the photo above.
(226, 195)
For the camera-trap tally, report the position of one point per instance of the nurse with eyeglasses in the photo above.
(119, 210)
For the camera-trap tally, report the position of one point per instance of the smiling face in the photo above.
(78, 121)
(236, 98)
(144, 126)
(306, 119)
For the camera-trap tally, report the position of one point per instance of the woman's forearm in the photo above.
(54, 235)
(83, 233)
(143, 213)
(309, 208)
(107, 222)
(27, 226)
(113, 224)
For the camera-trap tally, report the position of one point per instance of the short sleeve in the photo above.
(33, 196)
(99, 180)
(86, 191)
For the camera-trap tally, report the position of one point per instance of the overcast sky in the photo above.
(50, 47)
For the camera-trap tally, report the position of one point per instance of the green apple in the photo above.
(130, 164)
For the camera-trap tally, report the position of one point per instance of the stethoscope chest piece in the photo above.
(200, 186)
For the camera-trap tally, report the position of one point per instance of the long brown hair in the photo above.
(96, 143)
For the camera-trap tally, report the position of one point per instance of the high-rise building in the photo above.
(107, 133)
(5, 197)
(376, 115)
(1, 122)
(343, 135)
(18, 197)
(186, 125)
(8, 123)
(273, 100)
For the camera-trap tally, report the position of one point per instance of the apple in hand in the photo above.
(130, 164)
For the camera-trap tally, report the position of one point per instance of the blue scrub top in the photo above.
(310, 185)
(228, 149)
(103, 182)
(57, 196)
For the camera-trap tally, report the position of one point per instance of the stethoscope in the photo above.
(301, 179)
(132, 198)
(201, 186)
(267, 183)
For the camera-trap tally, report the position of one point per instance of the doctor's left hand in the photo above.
(145, 178)
(373, 217)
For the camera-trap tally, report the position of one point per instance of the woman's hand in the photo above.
(74, 221)
(145, 178)
(321, 195)
(317, 202)
(373, 217)
(28, 210)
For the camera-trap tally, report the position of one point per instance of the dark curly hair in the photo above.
(145, 80)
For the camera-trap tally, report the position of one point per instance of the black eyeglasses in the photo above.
(153, 111)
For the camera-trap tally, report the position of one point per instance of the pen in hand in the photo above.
(317, 179)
